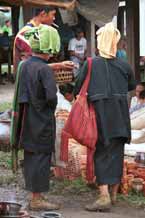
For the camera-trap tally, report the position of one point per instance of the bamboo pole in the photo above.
(66, 5)
(14, 160)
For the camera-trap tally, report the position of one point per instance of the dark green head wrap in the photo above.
(43, 39)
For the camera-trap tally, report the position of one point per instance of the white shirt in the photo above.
(78, 46)
(62, 103)
(134, 102)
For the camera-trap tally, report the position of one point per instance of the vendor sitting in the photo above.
(137, 118)
(141, 102)
(135, 100)
(137, 113)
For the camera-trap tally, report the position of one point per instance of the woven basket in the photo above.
(63, 76)
(76, 165)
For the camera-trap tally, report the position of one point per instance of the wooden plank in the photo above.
(90, 36)
(132, 29)
(120, 20)
(66, 5)
(15, 19)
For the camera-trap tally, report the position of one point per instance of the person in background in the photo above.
(7, 29)
(36, 100)
(121, 51)
(142, 97)
(111, 79)
(135, 100)
(67, 91)
(65, 97)
(22, 49)
(141, 102)
(77, 49)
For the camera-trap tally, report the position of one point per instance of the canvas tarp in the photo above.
(97, 11)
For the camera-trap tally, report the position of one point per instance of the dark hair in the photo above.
(67, 88)
(6, 21)
(37, 11)
(140, 84)
(142, 95)
(78, 31)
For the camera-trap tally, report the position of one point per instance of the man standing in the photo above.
(6, 29)
(22, 49)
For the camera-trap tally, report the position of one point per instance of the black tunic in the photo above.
(38, 94)
(110, 81)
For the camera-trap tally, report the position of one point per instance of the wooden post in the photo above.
(0, 73)
(90, 36)
(132, 30)
(15, 19)
(93, 34)
(27, 13)
(120, 20)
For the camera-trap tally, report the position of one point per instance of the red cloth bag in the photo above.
(81, 125)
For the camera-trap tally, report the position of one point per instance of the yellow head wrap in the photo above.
(107, 39)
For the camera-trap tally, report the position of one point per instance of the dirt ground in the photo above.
(73, 203)
(6, 92)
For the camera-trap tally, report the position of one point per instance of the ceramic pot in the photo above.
(9, 208)
(137, 184)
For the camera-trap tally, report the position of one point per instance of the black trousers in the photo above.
(36, 171)
(108, 162)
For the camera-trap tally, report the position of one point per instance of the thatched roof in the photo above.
(98, 11)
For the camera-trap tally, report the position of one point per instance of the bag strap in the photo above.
(84, 88)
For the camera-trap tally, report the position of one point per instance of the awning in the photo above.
(97, 11)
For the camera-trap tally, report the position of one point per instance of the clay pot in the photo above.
(137, 184)
(9, 208)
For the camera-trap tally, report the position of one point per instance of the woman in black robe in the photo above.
(37, 97)
(111, 79)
